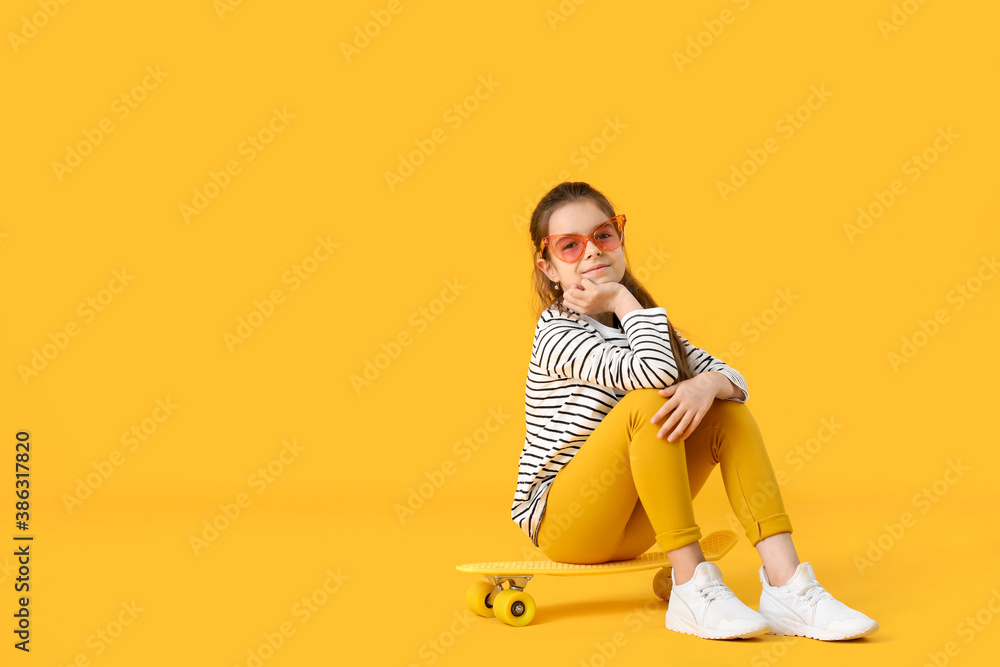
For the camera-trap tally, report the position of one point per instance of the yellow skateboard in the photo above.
(515, 607)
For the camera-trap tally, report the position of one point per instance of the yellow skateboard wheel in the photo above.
(515, 608)
(475, 598)
(662, 584)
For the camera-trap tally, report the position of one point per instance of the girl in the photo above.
(599, 480)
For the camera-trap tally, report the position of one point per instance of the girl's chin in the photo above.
(604, 276)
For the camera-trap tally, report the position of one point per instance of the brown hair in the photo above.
(544, 289)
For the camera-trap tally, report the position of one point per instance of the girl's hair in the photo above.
(544, 289)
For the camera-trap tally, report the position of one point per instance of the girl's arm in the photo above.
(564, 348)
(727, 389)
(732, 386)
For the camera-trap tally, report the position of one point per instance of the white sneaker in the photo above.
(705, 607)
(802, 607)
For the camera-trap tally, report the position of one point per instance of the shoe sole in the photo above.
(790, 628)
(685, 626)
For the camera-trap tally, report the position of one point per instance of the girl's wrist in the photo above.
(724, 387)
(625, 303)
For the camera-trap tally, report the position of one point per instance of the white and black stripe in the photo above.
(579, 370)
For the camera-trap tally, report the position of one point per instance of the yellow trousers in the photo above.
(625, 488)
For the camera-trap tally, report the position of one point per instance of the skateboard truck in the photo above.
(516, 583)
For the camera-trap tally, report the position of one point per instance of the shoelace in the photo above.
(813, 592)
(715, 590)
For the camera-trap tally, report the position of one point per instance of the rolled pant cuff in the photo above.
(675, 539)
(771, 525)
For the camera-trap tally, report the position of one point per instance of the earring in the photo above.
(555, 285)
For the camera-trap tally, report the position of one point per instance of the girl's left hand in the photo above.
(687, 402)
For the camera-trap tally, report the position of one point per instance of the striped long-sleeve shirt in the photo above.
(579, 370)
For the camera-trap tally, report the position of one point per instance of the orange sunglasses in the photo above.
(569, 247)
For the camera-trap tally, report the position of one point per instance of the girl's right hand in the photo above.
(591, 298)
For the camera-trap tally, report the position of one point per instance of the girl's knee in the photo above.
(645, 400)
(731, 410)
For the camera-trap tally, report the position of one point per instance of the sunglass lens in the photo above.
(567, 248)
(608, 236)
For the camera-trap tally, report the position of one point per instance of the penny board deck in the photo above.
(714, 546)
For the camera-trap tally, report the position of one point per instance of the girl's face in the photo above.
(582, 217)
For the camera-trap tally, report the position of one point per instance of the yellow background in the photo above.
(456, 220)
